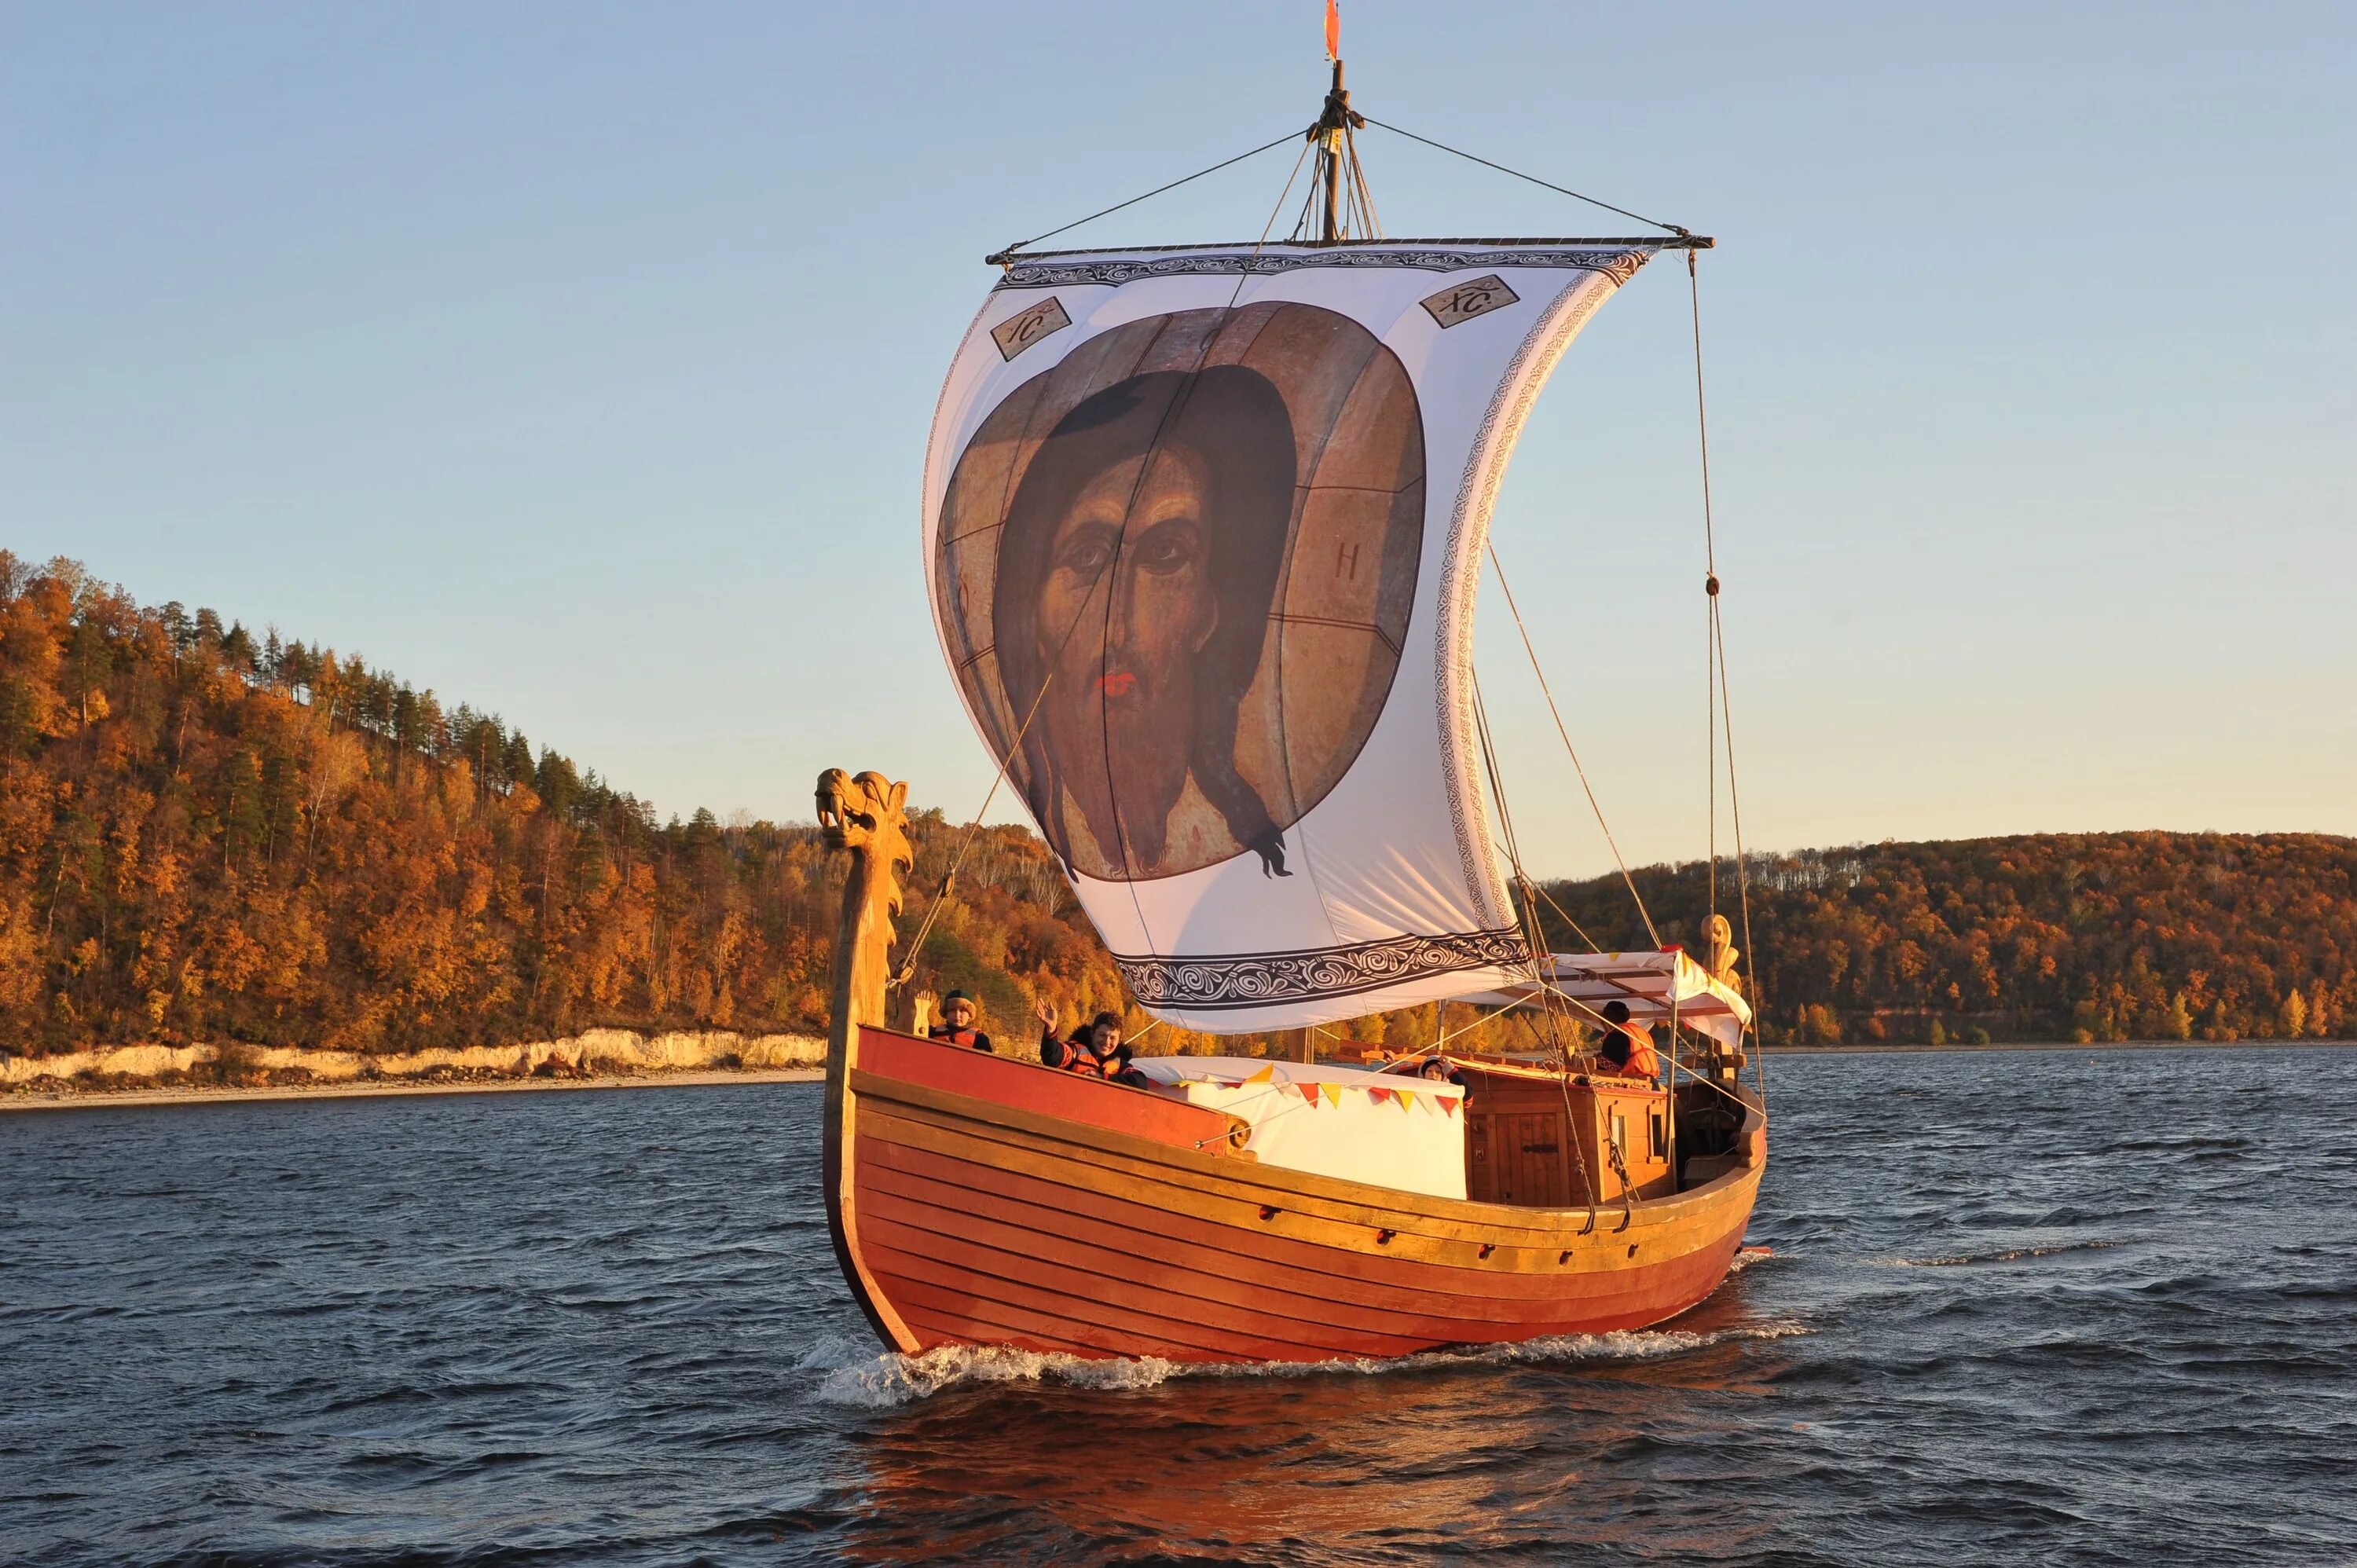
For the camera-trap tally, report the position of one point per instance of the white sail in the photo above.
(1203, 528)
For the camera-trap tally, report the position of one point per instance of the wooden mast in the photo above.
(1332, 134)
(1330, 156)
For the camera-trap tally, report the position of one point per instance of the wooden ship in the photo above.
(1203, 527)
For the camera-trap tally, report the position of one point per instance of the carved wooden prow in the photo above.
(864, 816)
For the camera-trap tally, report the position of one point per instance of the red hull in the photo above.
(979, 1200)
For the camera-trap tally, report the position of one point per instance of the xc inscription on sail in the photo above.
(1462, 302)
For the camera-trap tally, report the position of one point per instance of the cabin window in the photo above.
(1660, 1138)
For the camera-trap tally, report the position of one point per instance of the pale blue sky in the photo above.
(576, 360)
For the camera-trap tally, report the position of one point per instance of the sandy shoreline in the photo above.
(98, 1099)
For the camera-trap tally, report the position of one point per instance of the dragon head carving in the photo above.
(864, 813)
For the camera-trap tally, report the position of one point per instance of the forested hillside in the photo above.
(2149, 936)
(210, 836)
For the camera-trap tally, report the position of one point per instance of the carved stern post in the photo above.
(863, 815)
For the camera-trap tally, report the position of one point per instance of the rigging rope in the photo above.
(1528, 648)
(1710, 591)
(1004, 257)
(1561, 190)
(1715, 691)
(966, 841)
(1742, 878)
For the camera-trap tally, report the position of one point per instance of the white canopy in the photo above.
(1202, 531)
(1394, 1129)
(1655, 985)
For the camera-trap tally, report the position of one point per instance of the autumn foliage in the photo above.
(204, 837)
(2146, 936)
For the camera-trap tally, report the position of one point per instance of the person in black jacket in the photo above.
(1441, 1069)
(1093, 1051)
(956, 1027)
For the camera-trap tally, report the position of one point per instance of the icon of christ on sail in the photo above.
(1177, 570)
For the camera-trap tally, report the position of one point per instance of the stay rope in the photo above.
(1570, 750)
(1718, 711)
(1006, 257)
(1550, 185)
(1534, 942)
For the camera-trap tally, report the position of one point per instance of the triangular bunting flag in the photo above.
(1408, 1100)
(1447, 1106)
(1307, 1091)
(1266, 1075)
(1380, 1096)
(1333, 1093)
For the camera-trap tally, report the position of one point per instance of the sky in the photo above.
(576, 360)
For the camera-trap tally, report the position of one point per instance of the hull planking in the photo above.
(980, 1201)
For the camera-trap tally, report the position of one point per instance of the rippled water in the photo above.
(2023, 1306)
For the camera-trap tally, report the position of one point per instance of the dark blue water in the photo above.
(2025, 1306)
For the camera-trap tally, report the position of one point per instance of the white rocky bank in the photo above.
(593, 1048)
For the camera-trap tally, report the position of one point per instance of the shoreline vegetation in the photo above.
(93, 1088)
(255, 842)
(46, 1098)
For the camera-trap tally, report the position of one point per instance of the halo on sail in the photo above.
(1203, 528)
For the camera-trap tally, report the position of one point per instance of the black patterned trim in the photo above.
(1265, 980)
(1621, 265)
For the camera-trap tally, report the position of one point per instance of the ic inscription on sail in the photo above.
(1019, 331)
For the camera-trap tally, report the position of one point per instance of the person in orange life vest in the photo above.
(1628, 1047)
(956, 1027)
(1093, 1051)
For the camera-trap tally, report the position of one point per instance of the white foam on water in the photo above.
(2012, 1256)
(856, 1375)
(852, 1375)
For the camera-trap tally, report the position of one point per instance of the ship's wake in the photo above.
(851, 1374)
(2010, 1255)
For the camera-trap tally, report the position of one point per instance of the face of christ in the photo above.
(1132, 558)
